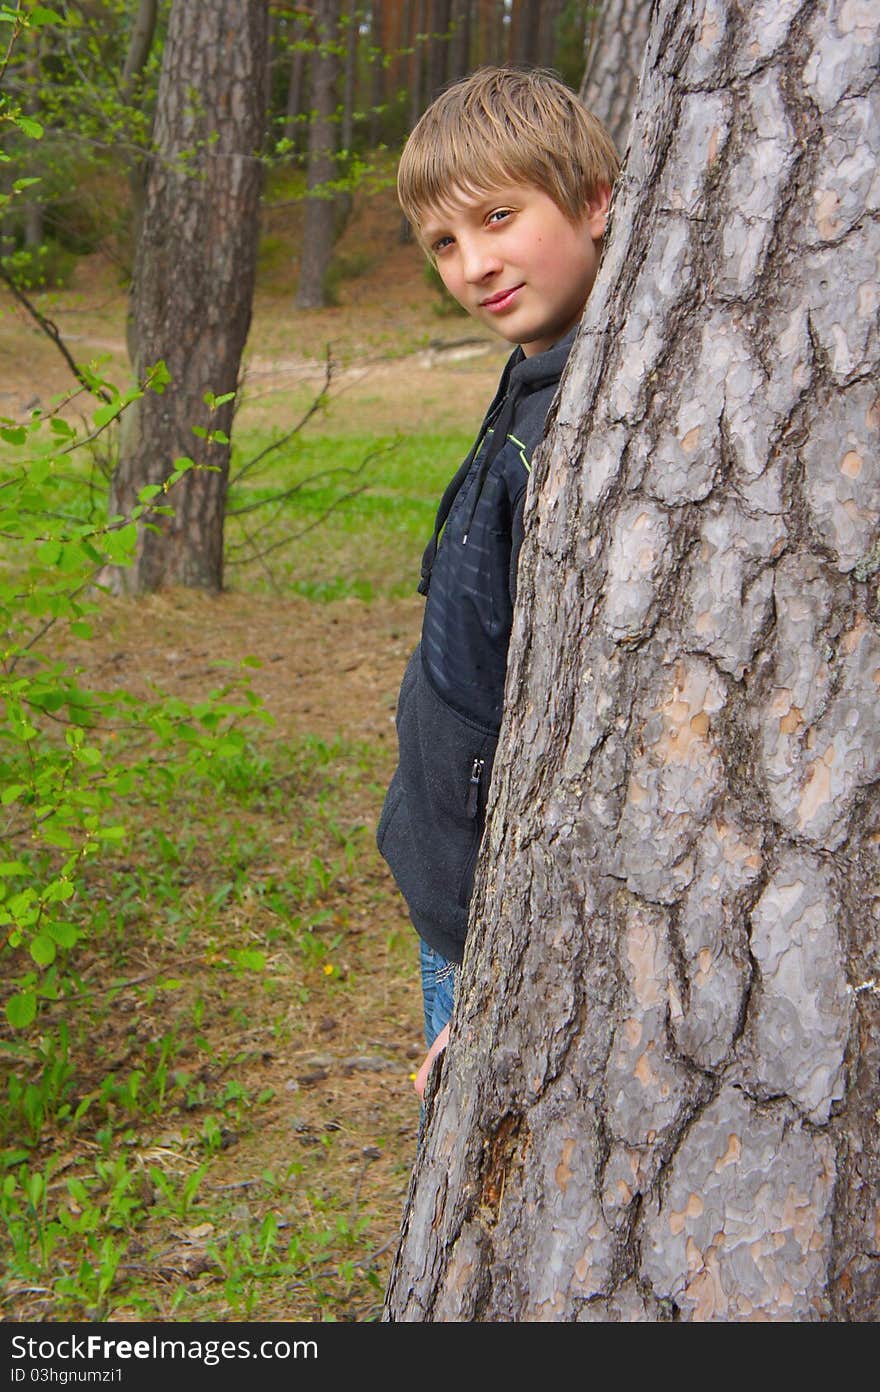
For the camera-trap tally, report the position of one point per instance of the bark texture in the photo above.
(193, 280)
(661, 1092)
(616, 41)
(319, 224)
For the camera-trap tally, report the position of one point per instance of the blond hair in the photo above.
(506, 125)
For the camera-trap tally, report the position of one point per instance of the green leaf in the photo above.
(42, 949)
(106, 413)
(13, 867)
(249, 958)
(29, 126)
(57, 891)
(111, 833)
(64, 934)
(21, 1009)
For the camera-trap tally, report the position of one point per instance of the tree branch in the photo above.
(51, 332)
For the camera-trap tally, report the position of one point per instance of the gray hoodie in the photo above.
(451, 697)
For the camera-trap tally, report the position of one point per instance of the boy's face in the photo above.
(514, 260)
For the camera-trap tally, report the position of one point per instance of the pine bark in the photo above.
(193, 281)
(660, 1096)
(616, 42)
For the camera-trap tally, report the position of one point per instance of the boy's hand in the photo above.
(436, 1048)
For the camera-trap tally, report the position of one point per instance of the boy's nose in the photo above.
(478, 261)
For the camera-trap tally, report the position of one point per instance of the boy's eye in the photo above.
(441, 244)
(499, 214)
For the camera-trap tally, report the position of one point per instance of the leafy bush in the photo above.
(48, 266)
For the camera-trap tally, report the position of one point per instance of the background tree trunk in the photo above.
(460, 40)
(526, 19)
(489, 32)
(439, 21)
(661, 1092)
(143, 30)
(295, 116)
(615, 48)
(193, 279)
(319, 228)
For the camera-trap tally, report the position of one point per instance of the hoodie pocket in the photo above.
(390, 807)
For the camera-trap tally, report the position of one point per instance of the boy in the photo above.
(506, 180)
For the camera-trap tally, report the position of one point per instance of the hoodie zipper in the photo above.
(472, 802)
(472, 809)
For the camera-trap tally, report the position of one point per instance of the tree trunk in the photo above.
(352, 26)
(140, 43)
(460, 41)
(417, 61)
(660, 1096)
(319, 228)
(615, 48)
(193, 280)
(548, 20)
(526, 20)
(296, 113)
(490, 32)
(439, 22)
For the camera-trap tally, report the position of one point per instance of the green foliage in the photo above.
(74, 128)
(48, 266)
(61, 774)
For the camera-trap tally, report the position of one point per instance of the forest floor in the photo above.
(335, 1060)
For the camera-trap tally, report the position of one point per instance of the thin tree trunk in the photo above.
(34, 218)
(296, 83)
(439, 20)
(193, 280)
(140, 43)
(660, 1096)
(460, 40)
(417, 62)
(548, 18)
(526, 20)
(615, 49)
(352, 24)
(319, 229)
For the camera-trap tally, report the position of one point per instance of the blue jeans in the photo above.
(438, 990)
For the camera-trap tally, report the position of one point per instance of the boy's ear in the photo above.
(597, 211)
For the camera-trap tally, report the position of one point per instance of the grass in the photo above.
(120, 1190)
(216, 1124)
(353, 518)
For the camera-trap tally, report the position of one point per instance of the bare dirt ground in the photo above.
(340, 1078)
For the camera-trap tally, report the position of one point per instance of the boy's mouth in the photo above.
(501, 299)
